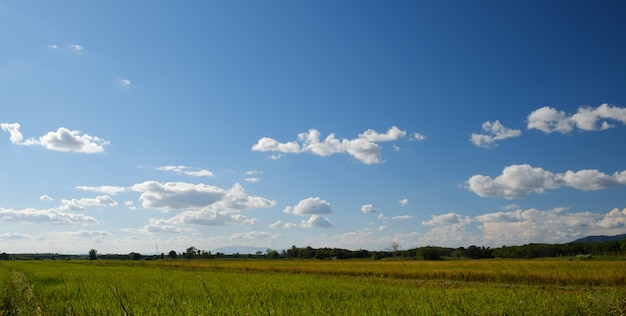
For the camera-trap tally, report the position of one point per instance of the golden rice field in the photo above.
(313, 287)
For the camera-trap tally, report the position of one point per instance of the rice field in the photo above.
(313, 287)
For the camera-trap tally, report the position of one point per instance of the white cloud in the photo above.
(550, 226)
(209, 217)
(184, 170)
(237, 200)
(493, 132)
(49, 216)
(548, 119)
(106, 189)
(310, 206)
(157, 227)
(394, 133)
(280, 224)
(518, 227)
(45, 198)
(520, 180)
(364, 148)
(53, 46)
(447, 219)
(182, 196)
(417, 136)
(252, 179)
(90, 234)
(316, 221)
(382, 227)
(76, 48)
(368, 208)
(124, 82)
(254, 237)
(15, 236)
(402, 217)
(80, 204)
(403, 202)
(62, 140)
(177, 195)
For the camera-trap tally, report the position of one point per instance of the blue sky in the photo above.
(349, 124)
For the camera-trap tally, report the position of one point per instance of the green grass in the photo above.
(294, 287)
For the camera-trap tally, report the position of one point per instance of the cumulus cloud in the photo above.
(106, 189)
(548, 119)
(417, 136)
(520, 180)
(76, 48)
(517, 227)
(368, 208)
(403, 202)
(552, 226)
(236, 200)
(310, 206)
(63, 140)
(316, 221)
(177, 195)
(280, 224)
(364, 148)
(208, 217)
(53, 46)
(182, 196)
(124, 82)
(49, 216)
(45, 198)
(447, 219)
(494, 131)
(80, 204)
(184, 170)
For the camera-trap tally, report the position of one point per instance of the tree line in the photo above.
(528, 251)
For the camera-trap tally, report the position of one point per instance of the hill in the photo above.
(600, 238)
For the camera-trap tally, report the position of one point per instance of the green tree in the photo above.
(93, 254)
(172, 254)
(190, 252)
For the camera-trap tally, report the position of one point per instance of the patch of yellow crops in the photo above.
(557, 272)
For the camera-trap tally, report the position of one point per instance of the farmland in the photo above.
(313, 287)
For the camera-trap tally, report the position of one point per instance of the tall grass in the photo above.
(284, 287)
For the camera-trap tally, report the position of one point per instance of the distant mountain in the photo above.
(600, 238)
(242, 250)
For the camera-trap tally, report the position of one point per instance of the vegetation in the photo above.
(286, 287)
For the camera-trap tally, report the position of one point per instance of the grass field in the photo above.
(313, 287)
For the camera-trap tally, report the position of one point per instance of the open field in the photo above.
(313, 287)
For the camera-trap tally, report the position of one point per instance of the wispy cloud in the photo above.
(403, 202)
(188, 171)
(520, 180)
(63, 139)
(549, 120)
(124, 82)
(280, 224)
(106, 189)
(49, 216)
(494, 131)
(364, 148)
